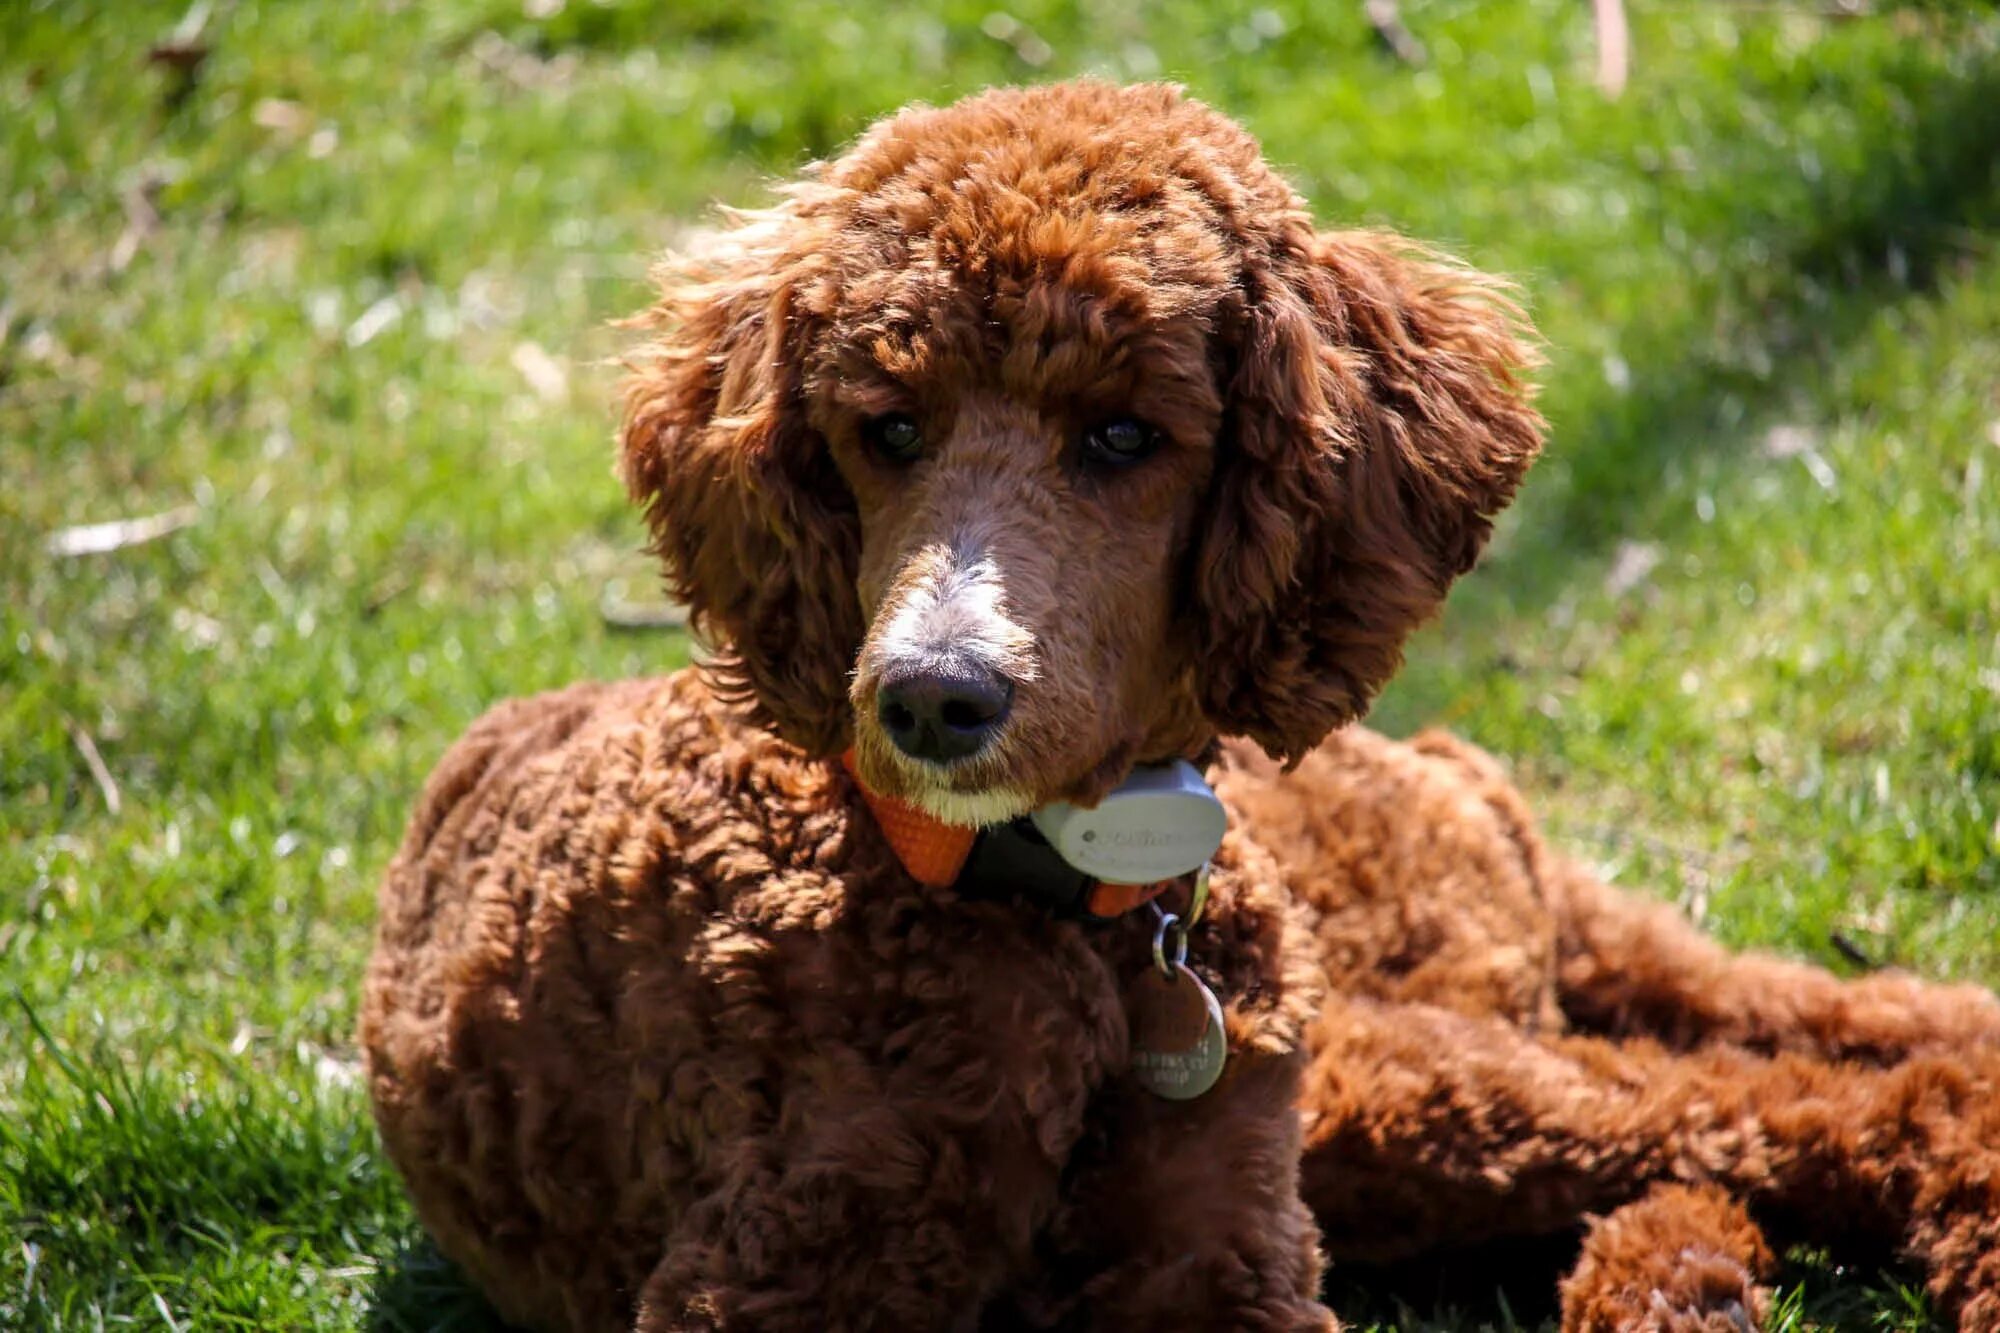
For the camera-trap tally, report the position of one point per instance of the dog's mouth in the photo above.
(973, 809)
(971, 790)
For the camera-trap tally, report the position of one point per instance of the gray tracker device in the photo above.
(1163, 821)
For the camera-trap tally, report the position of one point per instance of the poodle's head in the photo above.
(1043, 435)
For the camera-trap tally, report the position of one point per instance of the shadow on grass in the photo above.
(1802, 283)
(1512, 1286)
(418, 1290)
(1886, 230)
(1505, 1285)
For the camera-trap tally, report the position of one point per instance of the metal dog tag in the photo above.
(1178, 1043)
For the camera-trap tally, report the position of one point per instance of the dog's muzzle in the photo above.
(944, 658)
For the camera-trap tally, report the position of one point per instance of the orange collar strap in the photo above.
(937, 854)
(930, 849)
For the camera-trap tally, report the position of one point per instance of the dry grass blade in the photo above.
(620, 612)
(160, 1304)
(116, 535)
(543, 372)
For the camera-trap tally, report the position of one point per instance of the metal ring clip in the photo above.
(1169, 925)
(1198, 895)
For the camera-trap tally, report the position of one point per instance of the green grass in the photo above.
(1767, 275)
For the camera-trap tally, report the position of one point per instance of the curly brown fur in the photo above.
(1678, 1260)
(662, 1035)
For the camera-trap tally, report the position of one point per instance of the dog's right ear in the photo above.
(1376, 422)
(754, 524)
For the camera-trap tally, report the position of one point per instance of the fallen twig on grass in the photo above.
(1614, 46)
(1387, 21)
(182, 53)
(1852, 952)
(116, 535)
(386, 590)
(183, 50)
(94, 761)
(142, 219)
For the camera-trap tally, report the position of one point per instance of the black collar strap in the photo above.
(1015, 860)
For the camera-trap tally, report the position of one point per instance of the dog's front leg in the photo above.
(900, 1180)
(1190, 1217)
(803, 1240)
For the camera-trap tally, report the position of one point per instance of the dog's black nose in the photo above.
(944, 714)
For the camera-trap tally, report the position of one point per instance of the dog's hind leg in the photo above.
(1679, 1259)
(1425, 1128)
(1459, 869)
(1632, 967)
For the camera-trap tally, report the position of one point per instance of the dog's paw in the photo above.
(1695, 1291)
(1740, 1313)
(1965, 1274)
(1681, 1259)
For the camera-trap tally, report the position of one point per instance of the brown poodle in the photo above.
(1037, 438)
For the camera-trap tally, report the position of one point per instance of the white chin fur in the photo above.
(996, 805)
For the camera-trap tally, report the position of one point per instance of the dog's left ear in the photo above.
(751, 519)
(1376, 421)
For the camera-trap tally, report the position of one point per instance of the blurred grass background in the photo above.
(328, 284)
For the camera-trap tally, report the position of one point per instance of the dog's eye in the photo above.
(895, 436)
(1119, 441)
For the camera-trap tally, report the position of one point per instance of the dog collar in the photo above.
(1002, 860)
